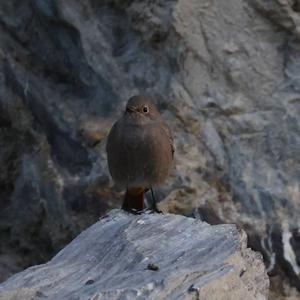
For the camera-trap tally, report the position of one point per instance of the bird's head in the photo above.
(141, 106)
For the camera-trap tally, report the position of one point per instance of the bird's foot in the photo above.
(143, 211)
(133, 211)
(152, 211)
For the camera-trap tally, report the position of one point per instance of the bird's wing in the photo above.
(168, 132)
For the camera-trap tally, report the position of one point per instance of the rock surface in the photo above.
(225, 74)
(150, 256)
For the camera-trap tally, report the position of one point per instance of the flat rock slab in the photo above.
(148, 256)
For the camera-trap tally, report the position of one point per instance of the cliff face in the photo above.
(147, 257)
(225, 74)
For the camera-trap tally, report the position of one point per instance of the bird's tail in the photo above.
(134, 199)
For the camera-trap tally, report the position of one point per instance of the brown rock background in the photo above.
(225, 74)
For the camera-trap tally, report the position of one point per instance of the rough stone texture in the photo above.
(110, 260)
(225, 74)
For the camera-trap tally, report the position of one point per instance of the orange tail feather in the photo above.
(134, 199)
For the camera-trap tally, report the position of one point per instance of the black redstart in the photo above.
(139, 151)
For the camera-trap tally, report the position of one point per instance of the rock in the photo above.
(225, 75)
(110, 260)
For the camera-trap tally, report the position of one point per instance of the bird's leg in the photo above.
(154, 206)
(152, 195)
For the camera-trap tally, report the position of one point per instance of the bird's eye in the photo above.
(145, 109)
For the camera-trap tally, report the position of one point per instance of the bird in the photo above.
(140, 151)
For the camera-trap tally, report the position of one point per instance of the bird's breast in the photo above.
(139, 154)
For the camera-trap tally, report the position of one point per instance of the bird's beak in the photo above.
(130, 109)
